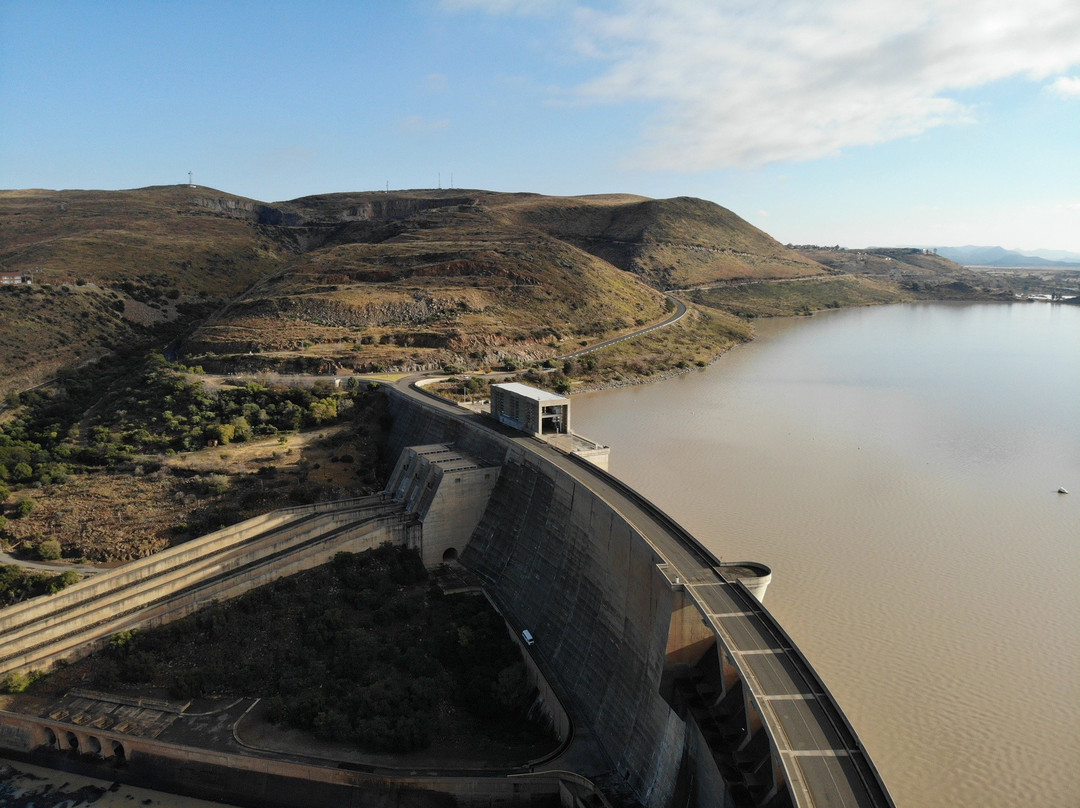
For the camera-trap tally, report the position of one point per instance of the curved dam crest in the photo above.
(563, 564)
(656, 665)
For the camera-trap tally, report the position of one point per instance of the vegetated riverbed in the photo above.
(898, 468)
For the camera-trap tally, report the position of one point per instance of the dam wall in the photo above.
(561, 562)
(580, 578)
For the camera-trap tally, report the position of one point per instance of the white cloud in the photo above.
(435, 83)
(505, 6)
(418, 123)
(749, 82)
(1066, 86)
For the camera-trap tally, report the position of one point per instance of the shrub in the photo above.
(15, 682)
(49, 550)
(61, 581)
(24, 507)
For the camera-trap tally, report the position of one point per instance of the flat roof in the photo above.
(448, 458)
(535, 393)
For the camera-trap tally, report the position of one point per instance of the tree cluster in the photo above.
(363, 650)
(17, 584)
(156, 410)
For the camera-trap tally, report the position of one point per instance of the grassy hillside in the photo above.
(115, 268)
(916, 272)
(671, 243)
(803, 296)
(445, 284)
(400, 281)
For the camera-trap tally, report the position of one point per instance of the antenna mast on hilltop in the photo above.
(190, 182)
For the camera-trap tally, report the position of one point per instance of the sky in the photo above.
(851, 122)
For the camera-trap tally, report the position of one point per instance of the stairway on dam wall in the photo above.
(178, 581)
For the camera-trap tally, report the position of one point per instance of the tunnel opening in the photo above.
(450, 554)
(73, 741)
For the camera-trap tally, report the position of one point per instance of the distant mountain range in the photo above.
(1000, 257)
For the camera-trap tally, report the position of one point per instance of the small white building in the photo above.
(13, 278)
(530, 409)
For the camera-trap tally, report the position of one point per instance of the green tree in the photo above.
(222, 433)
(49, 550)
(324, 410)
(22, 472)
(241, 429)
(24, 507)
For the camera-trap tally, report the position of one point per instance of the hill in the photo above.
(114, 268)
(672, 243)
(419, 280)
(1000, 257)
(918, 272)
(403, 280)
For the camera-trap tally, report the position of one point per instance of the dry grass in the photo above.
(780, 299)
(153, 503)
(367, 281)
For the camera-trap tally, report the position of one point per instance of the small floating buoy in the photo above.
(1062, 491)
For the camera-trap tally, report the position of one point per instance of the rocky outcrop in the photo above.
(335, 313)
(248, 209)
(371, 208)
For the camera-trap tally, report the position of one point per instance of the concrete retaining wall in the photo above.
(177, 582)
(246, 780)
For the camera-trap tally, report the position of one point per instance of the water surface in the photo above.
(898, 468)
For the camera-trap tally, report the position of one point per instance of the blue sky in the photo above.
(852, 122)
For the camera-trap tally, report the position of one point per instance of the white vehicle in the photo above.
(527, 636)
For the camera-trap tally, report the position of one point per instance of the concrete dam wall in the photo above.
(689, 690)
(680, 688)
(562, 563)
(587, 586)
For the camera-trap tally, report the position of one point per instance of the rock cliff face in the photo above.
(248, 209)
(371, 207)
(335, 313)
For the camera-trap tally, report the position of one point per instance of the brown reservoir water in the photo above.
(898, 469)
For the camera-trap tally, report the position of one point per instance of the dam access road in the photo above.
(823, 760)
